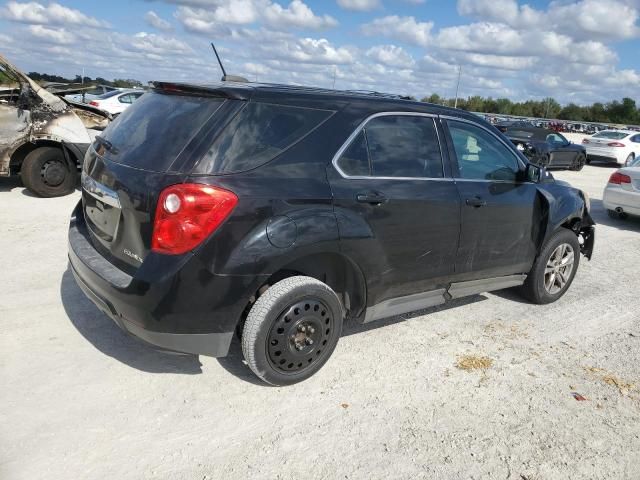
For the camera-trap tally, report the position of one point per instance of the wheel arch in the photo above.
(20, 153)
(336, 270)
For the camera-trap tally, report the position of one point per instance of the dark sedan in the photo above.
(548, 148)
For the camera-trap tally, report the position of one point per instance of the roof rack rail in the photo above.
(379, 94)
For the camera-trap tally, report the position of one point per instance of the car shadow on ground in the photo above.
(601, 217)
(234, 362)
(9, 183)
(107, 337)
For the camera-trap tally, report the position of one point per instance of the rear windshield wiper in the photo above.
(106, 144)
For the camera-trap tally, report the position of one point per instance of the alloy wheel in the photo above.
(559, 268)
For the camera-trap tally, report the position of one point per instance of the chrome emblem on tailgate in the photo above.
(99, 191)
(129, 253)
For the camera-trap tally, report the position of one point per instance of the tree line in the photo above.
(617, 112)
(45, 77)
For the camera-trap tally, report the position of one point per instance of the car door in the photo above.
(123, 102)
(398, 215)
(500, 211)
(563, 154)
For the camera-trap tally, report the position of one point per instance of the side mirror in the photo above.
(534, 173)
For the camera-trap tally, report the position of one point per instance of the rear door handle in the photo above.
(373, 198)
(476, 202)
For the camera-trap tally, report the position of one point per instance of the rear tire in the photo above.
(554, 269)
(46, 173)
(292, 330)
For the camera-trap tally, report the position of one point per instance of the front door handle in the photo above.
(373, 198)
(476, 202)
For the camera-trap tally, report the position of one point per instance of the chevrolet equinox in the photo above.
(276, 212)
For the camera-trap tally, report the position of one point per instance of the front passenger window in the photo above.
(481, 156)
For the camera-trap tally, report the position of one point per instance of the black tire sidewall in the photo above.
(534, 285)
(261, 326)
(32, 166)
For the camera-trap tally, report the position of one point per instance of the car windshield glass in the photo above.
(611, 135)
(109, 94)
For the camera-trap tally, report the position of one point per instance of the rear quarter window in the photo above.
(259, 133)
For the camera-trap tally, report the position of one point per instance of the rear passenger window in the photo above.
(355, 159)
(394, 146)
(403, 146)
(258, 134)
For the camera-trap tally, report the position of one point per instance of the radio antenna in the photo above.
(224, 73)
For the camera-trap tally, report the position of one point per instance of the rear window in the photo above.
(259, 133)
(150, 134)
(108, 94)
(611, 135)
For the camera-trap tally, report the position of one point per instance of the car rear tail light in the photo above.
(585, 141)
(94, 103)
(618, 178)
(615, 144)
(187, 214)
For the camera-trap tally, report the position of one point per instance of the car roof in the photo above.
(292, 93)
(618, 130)
(536, 132)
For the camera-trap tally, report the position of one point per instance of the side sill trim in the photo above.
(473, 287)
(400, 305)
(418, 301)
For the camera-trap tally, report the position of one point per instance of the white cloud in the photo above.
(405, 29)
(296, 15)
(360, 5)
(153, 19)
(221, 16)
(54, 13)
(583, 19)
(390, 55)
(52, 34)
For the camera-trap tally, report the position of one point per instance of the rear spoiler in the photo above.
(235, 92)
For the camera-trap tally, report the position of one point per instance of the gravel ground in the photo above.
(82, 400)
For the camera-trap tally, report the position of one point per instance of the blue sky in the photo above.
(575, 50)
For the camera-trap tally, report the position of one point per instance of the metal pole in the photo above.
(458, 86)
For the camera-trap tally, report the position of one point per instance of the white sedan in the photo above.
(116, 102)
(620, 146)
(622, 193)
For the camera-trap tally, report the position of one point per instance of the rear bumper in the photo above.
(616, 197)
(607, 155)
(210, 344)
(173, 303)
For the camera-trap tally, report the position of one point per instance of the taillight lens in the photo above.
(585, 141)
(187, 214)
(615, 144)
(94, 103)
(619, 178)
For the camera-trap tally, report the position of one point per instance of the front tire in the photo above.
(629, 160)
(292, 330)
(46, 173)
(554, 269)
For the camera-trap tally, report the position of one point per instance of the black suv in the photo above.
(276, 212)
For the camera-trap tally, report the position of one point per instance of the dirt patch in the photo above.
(473, 362)
(610, 379)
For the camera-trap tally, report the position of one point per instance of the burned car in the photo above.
(547, 148)
(43, 137)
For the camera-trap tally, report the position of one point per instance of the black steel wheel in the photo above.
(292, 330)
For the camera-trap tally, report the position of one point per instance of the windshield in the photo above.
(150, 134)
(611, 135)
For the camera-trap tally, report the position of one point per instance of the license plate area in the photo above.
(102, 210)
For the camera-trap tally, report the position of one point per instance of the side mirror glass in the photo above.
(533, 173)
